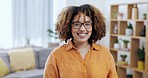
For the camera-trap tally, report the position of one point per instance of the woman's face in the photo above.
(81, 28)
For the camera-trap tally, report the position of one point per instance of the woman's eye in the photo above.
(76, 24)
(87, 24)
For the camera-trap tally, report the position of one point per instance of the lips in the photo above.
(82, 35)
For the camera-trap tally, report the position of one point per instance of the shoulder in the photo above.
(59, 50)
(103, 50)
(100, 47)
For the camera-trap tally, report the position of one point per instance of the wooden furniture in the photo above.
(135, 40)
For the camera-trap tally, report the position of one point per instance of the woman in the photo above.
(80, 26)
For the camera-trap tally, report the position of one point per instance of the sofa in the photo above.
(40, 56)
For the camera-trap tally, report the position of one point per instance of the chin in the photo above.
(82, 40)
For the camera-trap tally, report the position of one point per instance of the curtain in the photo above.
(5, 24)
(31, 20)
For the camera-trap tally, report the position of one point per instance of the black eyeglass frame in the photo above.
(82, 24)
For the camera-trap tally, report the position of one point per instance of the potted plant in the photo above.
(141, 55)
(123, 60)
(52, 33)
(129, 30)
(123, 57)
(144, 16)
(114, 15)
(116, 44)
(54, 38)
(125, 42)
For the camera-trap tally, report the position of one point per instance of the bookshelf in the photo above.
(136, 40)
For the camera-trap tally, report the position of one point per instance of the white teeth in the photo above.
(82, 34)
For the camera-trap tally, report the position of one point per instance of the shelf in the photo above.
(136, 69)
(124, 36)
(123, 66)
(134, 37)
(136, 40)
(138, 20)
(138, 37)
(114, 20)
(112, 49)
(128, 67)
(121, 50)
(114, 35)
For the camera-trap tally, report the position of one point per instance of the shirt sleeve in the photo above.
(51, 70)
(112, 68)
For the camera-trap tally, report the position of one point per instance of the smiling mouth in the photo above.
(82, 35)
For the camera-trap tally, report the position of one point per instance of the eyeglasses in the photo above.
(78, 24)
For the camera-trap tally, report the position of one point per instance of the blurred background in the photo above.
(24, 23)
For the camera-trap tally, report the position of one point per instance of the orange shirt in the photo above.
(66, 62)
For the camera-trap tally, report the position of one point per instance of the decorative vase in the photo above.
(142, 33)
(116, 45)
(120, 16)
(140, 65)
(128, 32)
(115, 29)
(128, 45)
(135, 12)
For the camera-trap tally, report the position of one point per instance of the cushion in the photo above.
(36, 58)
(5, 57)
(36, 52)
(3, 68)
(22, 59)
(43, 55)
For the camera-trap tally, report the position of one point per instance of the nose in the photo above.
(82, 28)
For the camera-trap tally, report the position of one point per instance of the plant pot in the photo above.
(140, 65)
(128, 32)
(128, 45)
(123, 58)
(116, 45)
(123, 63)
(125, 45)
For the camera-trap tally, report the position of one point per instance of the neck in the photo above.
(84, 45)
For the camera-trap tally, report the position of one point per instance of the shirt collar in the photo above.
(70, 46)
(95, 46)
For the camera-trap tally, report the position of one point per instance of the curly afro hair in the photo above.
(64, 22)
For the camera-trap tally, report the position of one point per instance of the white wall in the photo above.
(58, 5)
(5, 24)
(97, 3)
